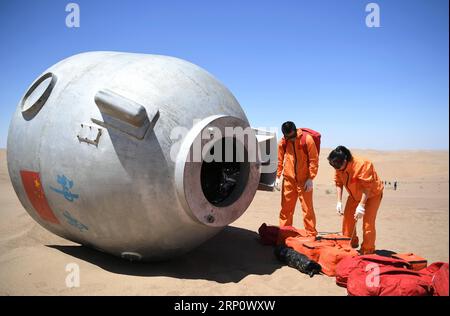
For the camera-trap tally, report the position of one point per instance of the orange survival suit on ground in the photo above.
(297, 167)
(358, 176)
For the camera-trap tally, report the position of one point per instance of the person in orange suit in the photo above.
(298, 170)
(365, 192)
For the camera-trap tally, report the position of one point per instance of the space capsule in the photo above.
(113, 151)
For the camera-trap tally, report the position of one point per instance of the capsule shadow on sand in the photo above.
(230, 256)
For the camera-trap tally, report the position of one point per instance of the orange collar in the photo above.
(349, 164)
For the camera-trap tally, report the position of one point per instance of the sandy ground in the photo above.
(415, 218)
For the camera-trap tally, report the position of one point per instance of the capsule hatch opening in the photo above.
(225, 172)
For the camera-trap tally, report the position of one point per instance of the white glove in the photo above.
(278, 184)
(339, 208)
(308, 185)
(360, 210)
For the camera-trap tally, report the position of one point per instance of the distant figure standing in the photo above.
(395, 186)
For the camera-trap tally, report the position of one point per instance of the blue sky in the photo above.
(313, 62)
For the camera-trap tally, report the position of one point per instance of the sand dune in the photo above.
(415, 218)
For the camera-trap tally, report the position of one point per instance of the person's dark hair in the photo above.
(337, 157)
(288, 127)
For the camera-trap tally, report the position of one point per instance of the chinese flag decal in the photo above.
(35, 192)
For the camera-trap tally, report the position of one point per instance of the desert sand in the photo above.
(415, 218)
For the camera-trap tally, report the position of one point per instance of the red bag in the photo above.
(432, 269)
(268, 234)
(387, 281)
(439, 281)
(348, 264)
(274, 235)
(315, 136)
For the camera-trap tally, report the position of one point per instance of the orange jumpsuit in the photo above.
(360, 175)
(297, 167)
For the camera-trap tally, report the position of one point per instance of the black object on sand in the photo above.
(297, 260)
